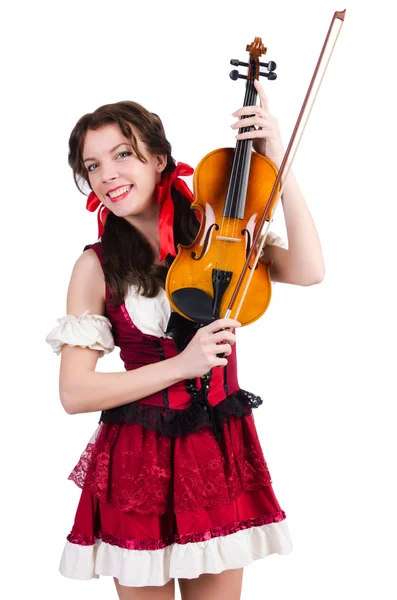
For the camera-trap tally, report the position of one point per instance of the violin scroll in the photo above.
(256, 49)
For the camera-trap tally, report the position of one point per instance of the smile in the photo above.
(120, 193)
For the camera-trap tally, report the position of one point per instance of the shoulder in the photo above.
(89, 263)
(87, 274)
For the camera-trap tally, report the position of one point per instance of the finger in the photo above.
(221, 324)
(222, 336)
(263, 99)
(250, 110)
(222, 349)
(220, 362)
(258, 121)
(249, 135)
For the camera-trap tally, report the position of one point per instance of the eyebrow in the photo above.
(111, 150)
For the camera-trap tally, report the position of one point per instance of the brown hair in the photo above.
(128, 256)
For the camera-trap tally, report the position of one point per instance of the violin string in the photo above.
(242, 152)
(235, 177)
(243, 157)
(226, 220)
(239, 161)
(248, 147)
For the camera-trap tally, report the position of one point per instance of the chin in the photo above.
(127, 211)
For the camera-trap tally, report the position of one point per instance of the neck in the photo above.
(147, 224)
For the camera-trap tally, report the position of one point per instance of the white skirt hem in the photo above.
(139, 568)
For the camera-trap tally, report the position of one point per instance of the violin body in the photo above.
(202, 278)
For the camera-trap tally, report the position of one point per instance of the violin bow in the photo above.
(256, 245)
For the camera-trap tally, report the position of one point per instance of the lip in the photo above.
(118, 187)
(119, 198)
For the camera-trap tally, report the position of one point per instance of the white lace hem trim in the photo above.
(138, 568)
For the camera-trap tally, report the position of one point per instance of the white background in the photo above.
(322, 357)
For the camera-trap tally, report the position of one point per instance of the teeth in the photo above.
(120, 191)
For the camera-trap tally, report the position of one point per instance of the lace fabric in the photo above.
(133, 468)
(176, 423)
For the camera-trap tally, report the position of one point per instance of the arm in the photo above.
(84, 390)
(302, 263)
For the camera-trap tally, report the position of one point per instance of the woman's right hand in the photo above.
(200, 355)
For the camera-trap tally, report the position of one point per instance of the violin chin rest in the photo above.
(195, 304)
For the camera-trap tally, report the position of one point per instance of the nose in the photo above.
(109, 173)
(109, 178)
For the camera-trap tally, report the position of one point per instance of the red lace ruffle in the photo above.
(133, 468)
(177, 539)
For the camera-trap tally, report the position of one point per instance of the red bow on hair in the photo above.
(92, 204)
(166, 217)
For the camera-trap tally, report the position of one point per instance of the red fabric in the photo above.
(141, 491)
(133, 468)
(166, 217)
(93, 203)
(164, 198)
(154, 533)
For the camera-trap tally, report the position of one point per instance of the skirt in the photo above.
(153, 508)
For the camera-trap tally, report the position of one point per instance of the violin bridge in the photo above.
(224, 238)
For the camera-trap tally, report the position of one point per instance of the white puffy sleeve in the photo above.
(273, 240)
(87, 331)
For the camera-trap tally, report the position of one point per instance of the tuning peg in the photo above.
(236, 75)
(270, 66)
(271, 76)
(237, 63)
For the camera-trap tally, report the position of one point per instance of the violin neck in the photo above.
(237, 190)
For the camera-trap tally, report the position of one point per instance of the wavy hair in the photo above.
(128, 256)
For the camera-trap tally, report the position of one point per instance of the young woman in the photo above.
(174, 481)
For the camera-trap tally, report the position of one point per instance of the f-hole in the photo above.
(247, 245)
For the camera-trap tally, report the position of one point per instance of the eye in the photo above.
(124, 154)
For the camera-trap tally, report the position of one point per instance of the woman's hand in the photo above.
(266, 135)
(200, 355)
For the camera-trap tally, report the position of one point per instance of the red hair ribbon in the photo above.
(166, 217)
(92, 204)
(164, 198)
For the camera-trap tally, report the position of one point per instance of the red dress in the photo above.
(176, 484)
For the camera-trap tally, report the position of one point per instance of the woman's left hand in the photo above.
(266, 135)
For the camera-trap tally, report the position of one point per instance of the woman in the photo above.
(174, 481)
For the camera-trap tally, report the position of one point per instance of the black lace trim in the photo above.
(176, 423)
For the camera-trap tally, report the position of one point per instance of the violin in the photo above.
(230, 185)
(220, 270)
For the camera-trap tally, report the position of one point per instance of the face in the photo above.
(120, 180)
